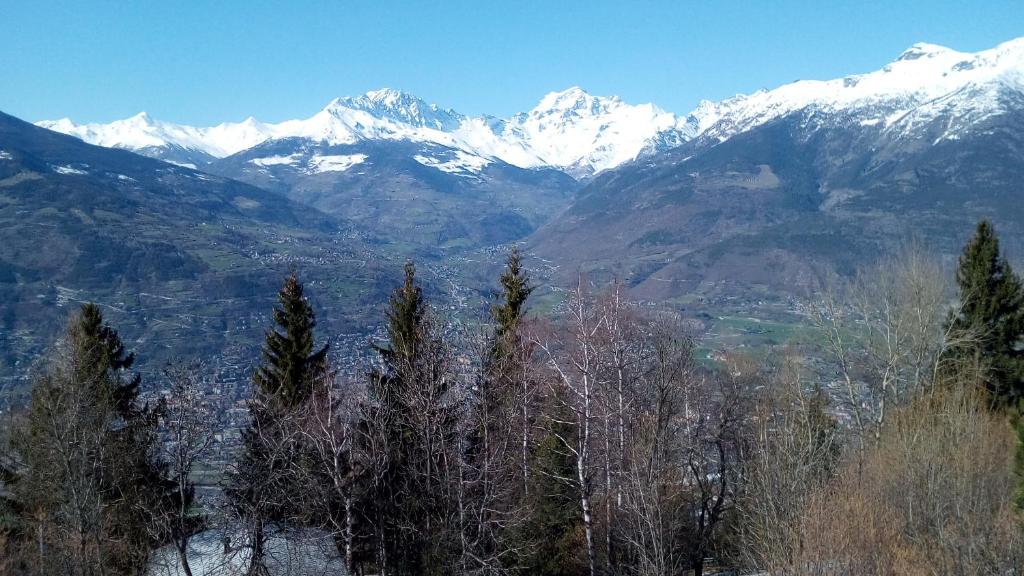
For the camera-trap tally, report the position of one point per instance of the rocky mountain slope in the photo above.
(782, 186)
(179, 258)
(413, 197)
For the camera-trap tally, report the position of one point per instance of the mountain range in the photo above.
(583, 135)
(187, 262)
(784, 186)
(754, 197)
(570, 131)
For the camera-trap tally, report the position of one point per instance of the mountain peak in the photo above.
(572, 92)
(64, 125)
(397, 106)
(141, 119)
(581, 133)
(922, 50)
(389, 96)
(384, 98)
(573, 98)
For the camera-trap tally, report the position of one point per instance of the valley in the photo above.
(511, 289)
(734, 214)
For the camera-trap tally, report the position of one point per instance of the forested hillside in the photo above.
(585, 441)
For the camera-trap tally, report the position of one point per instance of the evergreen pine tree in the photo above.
(258, 486)
(551, 539)
(516, 288)
(407, 502)
(491, 393)
(992, 308)
(386, 422)
(101, 359)
(405, 315)
(492, 471)
(290, 366)
(92, 474)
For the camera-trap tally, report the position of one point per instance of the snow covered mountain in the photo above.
(176, 143)
(780, 187)
(583, 135)
(570, 130)
(925, 82)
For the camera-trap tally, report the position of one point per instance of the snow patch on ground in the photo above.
(276, 160)
(5, 155)
(334, 163)
(68, 170)
(290, 552)
(461, 164)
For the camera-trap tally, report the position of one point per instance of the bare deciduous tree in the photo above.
(189, 421)
(327, 423)
(574, 358)
(933, 496)
(713, 441)
(791, 456)
(888, 334)
(652, 511)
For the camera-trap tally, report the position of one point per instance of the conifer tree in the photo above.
(386, 422)
(101, 359)
(405, 317)
(408, 428)
(992, 309)
(551, 539)
(491, 457)
(259, 485)
(491, 391)
(516, 288)
(290, 366)
(92, 483)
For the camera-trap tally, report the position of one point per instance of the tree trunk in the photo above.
(581, 465)
(608, 491)
(182, 546)
(349, 562)
(587, 519)
(256, 561)
(382, 553)
(526, 437)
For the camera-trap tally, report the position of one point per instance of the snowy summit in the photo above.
(582, 134)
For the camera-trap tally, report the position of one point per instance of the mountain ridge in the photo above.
(581, 147)
(782, 188)
(581, 134)
(169, 251)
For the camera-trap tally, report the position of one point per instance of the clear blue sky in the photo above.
(206, 62)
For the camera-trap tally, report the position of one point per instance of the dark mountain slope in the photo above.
(185, 262)
(775, 207)
(411, 195)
